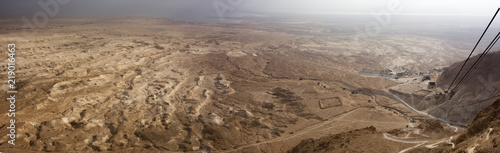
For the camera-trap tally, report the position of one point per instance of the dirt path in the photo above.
(301, 132)
(455, 129)
(434, 145)
(405, 150)
(471, 150)
(389, 137)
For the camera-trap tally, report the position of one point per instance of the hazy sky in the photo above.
(205, 8)
(464, 12)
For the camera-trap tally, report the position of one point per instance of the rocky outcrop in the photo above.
(479, 90)
(483, 134)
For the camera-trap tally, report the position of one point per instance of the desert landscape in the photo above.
(159, 85)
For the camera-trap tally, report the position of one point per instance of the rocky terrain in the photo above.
(483, 134)
(360, 140)
(480, 135)
(479, 90)
(476, 92)
(139, 85)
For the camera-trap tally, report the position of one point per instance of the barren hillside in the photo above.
(479, 90)
(475, 99)
(138, 84)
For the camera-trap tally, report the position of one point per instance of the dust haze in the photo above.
(248, 76)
